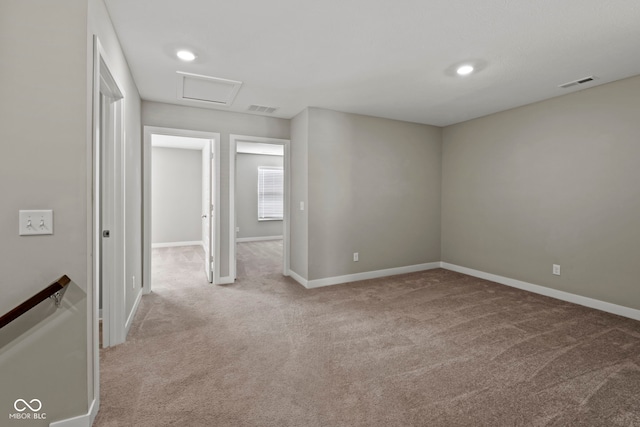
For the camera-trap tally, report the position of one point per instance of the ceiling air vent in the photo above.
(262, 109)
(206, 89)
(578, 82)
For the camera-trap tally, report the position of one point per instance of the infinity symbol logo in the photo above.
(26, 405)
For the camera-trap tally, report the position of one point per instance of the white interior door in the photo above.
(106, 218)
(208, 237)
(212, 213)
(111, 208)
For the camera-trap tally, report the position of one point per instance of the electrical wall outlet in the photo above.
(556, 269)
(237, 229)
(133, 282)
(355, 256)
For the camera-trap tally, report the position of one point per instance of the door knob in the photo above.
(204, 216)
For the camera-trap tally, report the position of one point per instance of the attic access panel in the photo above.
(206, 89)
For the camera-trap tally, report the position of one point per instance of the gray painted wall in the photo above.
(41, 357)
(374, 188)
(176, 195)
(299, 178)
(35, 174)
(247, 196)
(552, 182)
(225, 123)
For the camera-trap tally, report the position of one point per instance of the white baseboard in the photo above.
(553, 293)
(257, 239)
(93, 410)
(85, 420)
(129, 321)
(530, 287)
(176, 244)
(298, 278)
(329, 281)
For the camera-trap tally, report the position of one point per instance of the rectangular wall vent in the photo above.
(206, 89)
(578, 82)
(262, 109)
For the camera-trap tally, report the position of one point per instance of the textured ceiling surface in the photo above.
(393, 59)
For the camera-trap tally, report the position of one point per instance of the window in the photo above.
(270, 193)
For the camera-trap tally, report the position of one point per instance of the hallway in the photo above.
(167, 372)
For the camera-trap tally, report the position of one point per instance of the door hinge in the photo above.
(211, 259)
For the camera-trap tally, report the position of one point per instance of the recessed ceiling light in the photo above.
(186, 55)
(465, 70)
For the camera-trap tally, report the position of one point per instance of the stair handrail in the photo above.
(53, 291)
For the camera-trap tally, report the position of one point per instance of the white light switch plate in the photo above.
(36, 222)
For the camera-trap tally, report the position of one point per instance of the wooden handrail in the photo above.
(48, 292)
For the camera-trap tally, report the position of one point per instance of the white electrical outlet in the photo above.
(355, 256)
(301, 206)
(556, 269)
(237, 229)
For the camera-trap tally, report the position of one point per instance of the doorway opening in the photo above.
(181, 197)
(259, 203)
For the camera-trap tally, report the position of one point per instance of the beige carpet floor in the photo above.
(435, 348)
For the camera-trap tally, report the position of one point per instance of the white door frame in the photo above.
(146, 196)
(109, 266)
(233, 143)
(207, 229)
(104, 83)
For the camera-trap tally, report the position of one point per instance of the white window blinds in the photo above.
(270, 193)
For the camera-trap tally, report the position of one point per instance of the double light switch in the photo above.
(36, 222)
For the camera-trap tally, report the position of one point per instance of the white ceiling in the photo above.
(385, 58)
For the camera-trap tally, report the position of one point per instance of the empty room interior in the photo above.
(297, 213)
